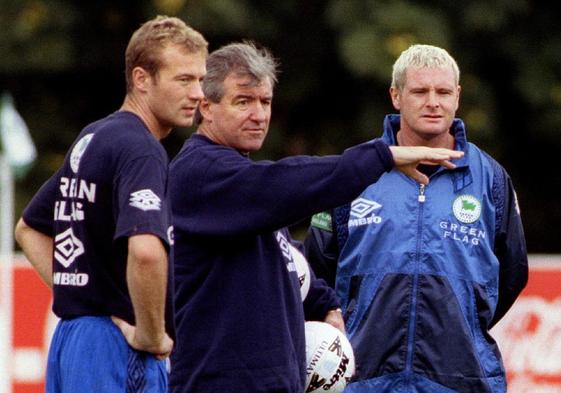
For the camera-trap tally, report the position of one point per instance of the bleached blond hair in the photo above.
(420, 56)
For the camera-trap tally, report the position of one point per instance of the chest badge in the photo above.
(467, 208)
(78, 151)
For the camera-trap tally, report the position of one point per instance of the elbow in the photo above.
(21, 229)
(146, 258)
(147, 250)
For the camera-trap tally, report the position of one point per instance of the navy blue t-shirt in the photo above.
(239, 313)
(112, 185)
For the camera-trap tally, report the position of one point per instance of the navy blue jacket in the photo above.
(424, 272)
(239, 314)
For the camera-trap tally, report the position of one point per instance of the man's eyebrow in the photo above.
(186, 75)
(244, 95)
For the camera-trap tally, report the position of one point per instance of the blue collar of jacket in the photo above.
(461, 175)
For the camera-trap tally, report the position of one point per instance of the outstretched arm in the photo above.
(222, 193)
(38, 248)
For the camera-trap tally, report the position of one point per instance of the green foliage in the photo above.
(63, 63)
(373, 34)
(34, 36)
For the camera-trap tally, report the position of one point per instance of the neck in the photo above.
(412, 139)
(134, 105)
(205, 129)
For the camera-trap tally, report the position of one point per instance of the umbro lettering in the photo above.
(373, 219)
(70, 279)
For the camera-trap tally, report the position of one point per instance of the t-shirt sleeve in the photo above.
(141, 204)
(39, 212)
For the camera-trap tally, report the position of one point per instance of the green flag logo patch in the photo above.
(467, 208)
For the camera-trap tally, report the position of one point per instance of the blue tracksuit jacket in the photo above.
(424, 272)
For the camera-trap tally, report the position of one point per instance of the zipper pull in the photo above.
(421, 197)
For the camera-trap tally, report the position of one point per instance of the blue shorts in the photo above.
(90, 354)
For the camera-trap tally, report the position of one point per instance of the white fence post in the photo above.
(6, 273)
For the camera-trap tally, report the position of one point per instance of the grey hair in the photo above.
(420, 56)
(242, 59)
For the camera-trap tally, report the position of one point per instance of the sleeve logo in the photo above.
(363, 212)
(361, 207)
(322, 221)
(145, 200)
(171, 238)
(78, 151)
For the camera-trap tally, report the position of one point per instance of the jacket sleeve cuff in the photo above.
(385, 154)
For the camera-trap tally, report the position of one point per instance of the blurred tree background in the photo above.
(63, 62)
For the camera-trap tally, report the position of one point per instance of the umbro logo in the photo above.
(67, 247)
(145, 200)
(362, 207)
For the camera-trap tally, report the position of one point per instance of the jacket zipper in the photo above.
(421, 198)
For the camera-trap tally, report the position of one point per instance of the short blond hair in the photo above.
(420, 56)
(147, 43)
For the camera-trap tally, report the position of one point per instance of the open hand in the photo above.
(407, 158)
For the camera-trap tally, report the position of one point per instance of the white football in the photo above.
(330, 361)
(302, 269)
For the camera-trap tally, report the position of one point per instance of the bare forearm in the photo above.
(38, 249)
(147, 281)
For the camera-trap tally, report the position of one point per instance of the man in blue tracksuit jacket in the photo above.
(239, 312)
(423, 272)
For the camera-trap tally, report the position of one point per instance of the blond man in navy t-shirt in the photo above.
(98, 232)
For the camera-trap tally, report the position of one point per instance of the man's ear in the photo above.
(394, 94)
(204, 108)
(458, 99)
(140, 79)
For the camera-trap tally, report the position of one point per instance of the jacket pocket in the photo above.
(448, 344)
(377, 323)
